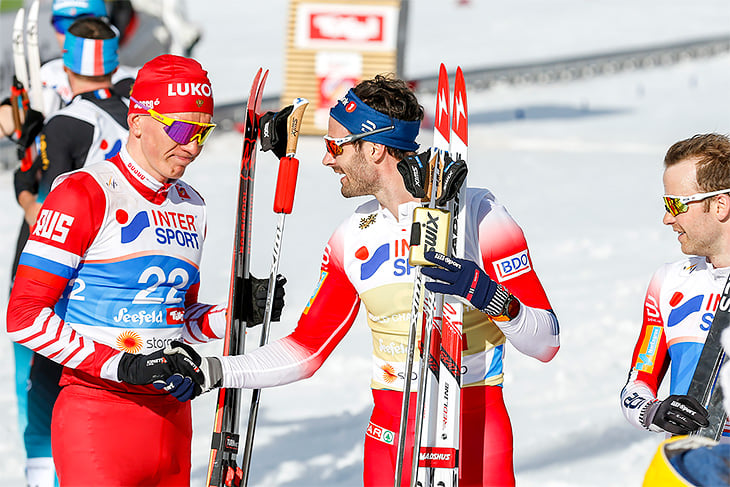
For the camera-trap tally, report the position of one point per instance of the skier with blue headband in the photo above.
(372, 130)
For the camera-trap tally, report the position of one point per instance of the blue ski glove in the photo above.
(464, 278)
(181, 388)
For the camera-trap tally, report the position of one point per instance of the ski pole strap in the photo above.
(357, 117)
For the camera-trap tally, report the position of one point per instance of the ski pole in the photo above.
(423, 311)
(283, 201)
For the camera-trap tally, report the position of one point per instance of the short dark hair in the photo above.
(393, 97)
(712, 152)
(92, 28)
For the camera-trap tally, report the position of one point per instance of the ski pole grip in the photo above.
(286, 185)
(293, 124)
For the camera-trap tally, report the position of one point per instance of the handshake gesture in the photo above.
(177, 369)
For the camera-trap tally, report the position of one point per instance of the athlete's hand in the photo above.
(181, 388)
(415, 170)
(141, 369)
(193, 374)
(677, 414)
(464, 278)
(31, 128)
(273, 131)
(256, 301)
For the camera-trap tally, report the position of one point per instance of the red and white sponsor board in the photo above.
(346, 26)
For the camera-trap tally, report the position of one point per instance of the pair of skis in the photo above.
(223, 469)
(26, 91)
(439, 318)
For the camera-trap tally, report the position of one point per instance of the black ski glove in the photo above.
(273, 131)
(31, 128)
(677, 414)
(416, 172)
(193, 375)
(139, 369)
(256, 301)
(453, 177)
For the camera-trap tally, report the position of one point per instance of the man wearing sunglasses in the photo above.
(110, 275)
(91, 128)
(682, 296)
(371, 129)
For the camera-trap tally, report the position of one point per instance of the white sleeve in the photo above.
(636, 397)
(275, 364)
(534, 332)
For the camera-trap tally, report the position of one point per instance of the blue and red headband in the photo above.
(357, 117)
(90, 57)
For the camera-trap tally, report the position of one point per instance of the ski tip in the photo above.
(33, 10)
(19, 19)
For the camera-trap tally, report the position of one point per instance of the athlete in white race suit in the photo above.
(366, 260)
(683, 296)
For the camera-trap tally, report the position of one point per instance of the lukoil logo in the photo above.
(194, 89)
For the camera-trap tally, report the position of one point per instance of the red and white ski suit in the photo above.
(112, 266)
(366, 260)
(679, 307)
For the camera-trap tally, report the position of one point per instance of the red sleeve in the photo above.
(67, 224)
(331, 310)
(650, 359)
(325, 321)
(506, 258)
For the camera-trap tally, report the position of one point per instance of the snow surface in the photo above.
(579, 166)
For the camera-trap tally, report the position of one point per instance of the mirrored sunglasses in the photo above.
(676, 205)
(181, 131)
(334, 146)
